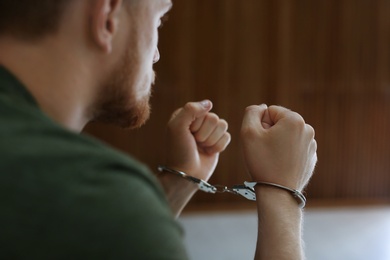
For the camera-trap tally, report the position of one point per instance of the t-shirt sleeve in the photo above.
(125, 217)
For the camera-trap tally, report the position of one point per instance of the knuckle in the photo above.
(297, 120)
(297, 117)
(280, 109)
(315, 145)
(310, 130)
(275, 107)
(212, 118)
(250, 108)
(223, 143)
(223, 124)
(200, 137)
(228, 138)
(190, 106)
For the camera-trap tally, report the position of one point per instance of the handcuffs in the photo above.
(247, 190)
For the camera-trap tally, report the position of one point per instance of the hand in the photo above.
(195, 139)
(278, 146)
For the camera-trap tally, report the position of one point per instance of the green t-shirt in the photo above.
(67, 196)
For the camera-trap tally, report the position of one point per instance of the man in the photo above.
(67, 196)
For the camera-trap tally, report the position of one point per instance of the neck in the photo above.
(61, 83)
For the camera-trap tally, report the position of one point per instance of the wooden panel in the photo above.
(342, 89)
(327, 59)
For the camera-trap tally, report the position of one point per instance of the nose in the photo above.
(156, 57)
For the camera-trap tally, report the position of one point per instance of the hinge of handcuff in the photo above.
(247, 190)
(243, 190)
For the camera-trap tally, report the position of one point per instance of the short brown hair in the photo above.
(34, 19)
(29, 19)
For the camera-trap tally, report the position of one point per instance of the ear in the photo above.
(104, 22)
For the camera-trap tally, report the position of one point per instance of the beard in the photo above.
(118, 103)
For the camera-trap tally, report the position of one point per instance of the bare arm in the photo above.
(178, 191)
(279, 148)
(195, 138)
(279, 228)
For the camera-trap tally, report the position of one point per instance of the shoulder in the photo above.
(125, 217)
(121, 206)
(100, 200)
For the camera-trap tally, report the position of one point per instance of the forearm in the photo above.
(178, 191)
(280, 224)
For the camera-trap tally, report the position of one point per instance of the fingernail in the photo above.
(205, 103)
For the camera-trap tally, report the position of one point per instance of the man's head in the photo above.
(118, 37)
(134, 69)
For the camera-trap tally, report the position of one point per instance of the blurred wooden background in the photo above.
(329, 60)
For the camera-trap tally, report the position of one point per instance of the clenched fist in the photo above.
(195, 139)
(278, 146)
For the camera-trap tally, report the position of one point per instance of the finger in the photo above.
(266, 120)
(313, 147)
(218, 132)
(313, 153)
(195, 126)
(310, 130)
(220, 145)
(276, 113)
(209, 124)
(312, 166)
(252, 119)
(186, 115)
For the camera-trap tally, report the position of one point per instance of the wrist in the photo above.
(269, 197)
(175, 183)
(279, 224)
(178, 191)
(296, 194)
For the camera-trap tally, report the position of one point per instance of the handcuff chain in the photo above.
(246, 190)
(204, 186)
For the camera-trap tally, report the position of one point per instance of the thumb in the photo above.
(277, 113)
(190, 112)
(266, 121)
(254, 115)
